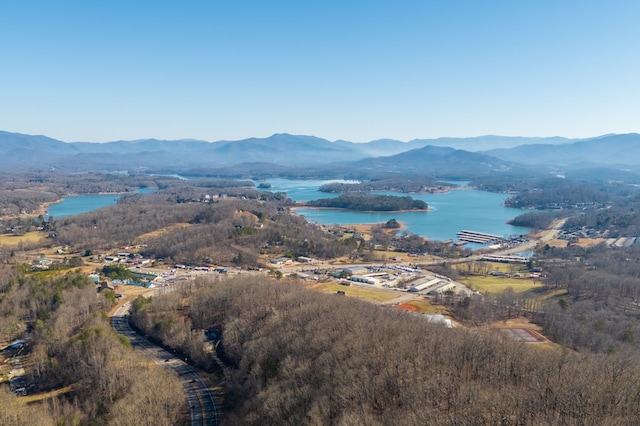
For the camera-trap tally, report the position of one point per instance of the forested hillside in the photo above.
(200, 230)
(72, 347)
(297, 357)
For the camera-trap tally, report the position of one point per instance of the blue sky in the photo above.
(354, 70)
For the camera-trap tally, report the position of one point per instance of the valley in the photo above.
(210, 264)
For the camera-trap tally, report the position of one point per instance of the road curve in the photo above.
(202, 406)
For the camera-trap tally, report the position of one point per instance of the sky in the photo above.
(356, 70)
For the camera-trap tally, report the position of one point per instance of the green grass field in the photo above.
(495, 285)
(14, 240)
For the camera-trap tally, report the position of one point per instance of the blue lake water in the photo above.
(450, 212)
(86, 203)
(303, 190)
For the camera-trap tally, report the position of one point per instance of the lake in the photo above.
(303, 190)
(86, 203)
(450, 212)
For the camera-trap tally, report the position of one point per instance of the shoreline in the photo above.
(44, 207)
(365, 228)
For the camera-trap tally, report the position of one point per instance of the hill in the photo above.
(435, 161)
(443, 156)
(618, 150)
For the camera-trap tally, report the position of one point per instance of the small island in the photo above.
(406, 184)
(370, 202)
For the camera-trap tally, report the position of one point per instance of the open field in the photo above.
(582, 242)
(370, 294)
(494, 285)
(423, 307)
(14, 240)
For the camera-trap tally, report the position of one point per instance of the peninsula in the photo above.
(370, 202)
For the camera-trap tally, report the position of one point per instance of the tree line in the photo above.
(300, 357)
(599, 311)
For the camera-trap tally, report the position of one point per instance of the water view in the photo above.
(86, 203)
(449, 212)
(303, 190)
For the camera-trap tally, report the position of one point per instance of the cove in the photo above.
(78, 204)
(450, 212)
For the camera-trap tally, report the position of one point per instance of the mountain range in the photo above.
(483, 154)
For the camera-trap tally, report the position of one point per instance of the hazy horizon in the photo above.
(569, 139)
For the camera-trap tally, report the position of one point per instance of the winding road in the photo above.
(203, 409)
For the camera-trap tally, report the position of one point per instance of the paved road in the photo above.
(202, 406)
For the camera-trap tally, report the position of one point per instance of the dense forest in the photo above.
(298, 357)
(369, 202)
(600, 311)
(71, 345)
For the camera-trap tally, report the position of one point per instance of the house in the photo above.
(104, 285)
(42, 263)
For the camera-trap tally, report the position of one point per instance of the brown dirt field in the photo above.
(425, 307)
(557, 243)
(590, 242)
(407, 307)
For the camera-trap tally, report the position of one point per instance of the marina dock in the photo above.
(478, 237)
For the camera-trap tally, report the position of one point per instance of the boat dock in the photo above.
(478, 237)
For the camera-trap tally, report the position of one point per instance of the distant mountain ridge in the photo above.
(19, 151)
(620, 150)
(435, 161)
